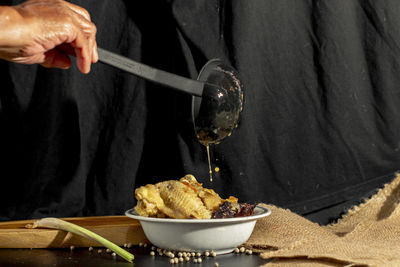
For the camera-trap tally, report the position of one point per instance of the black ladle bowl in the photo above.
(217, 93)
(216, 112)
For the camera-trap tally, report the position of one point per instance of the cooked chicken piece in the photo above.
(149, 201)
(210, 199)
(181, 199)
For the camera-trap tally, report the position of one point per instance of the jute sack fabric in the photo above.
(368, 235)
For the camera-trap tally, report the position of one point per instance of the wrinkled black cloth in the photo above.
(320, 126)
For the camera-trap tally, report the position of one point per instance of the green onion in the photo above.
(58, 224)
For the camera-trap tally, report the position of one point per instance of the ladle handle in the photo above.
(180, 83)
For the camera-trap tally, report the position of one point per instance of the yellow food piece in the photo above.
(181, 199)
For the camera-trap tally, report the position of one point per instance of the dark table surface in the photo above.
(82, 257)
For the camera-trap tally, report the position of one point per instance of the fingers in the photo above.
(95, 53)
(82, 52)
(82, 39)
(51, 30)
(88, 28)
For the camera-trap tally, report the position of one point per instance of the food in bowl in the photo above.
(220, 235)
(186, 199)
(233, 210)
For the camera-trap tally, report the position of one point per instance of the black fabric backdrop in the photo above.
(320, 127)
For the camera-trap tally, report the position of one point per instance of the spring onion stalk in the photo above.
(58, 224)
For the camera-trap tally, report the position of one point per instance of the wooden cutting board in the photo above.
(118, 229)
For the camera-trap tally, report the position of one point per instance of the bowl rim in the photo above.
(259, 212)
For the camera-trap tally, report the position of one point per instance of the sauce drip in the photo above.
(209, 162)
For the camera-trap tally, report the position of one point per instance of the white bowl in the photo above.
(199, 235)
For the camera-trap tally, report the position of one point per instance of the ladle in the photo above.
(217, 94)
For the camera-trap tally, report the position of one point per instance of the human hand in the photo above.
(48, 32)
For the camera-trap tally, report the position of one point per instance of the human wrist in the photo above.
(11, 30)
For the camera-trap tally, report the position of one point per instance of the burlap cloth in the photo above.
(368, 235)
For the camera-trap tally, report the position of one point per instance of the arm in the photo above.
(47, 32)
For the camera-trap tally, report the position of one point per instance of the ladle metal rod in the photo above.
(193, 87)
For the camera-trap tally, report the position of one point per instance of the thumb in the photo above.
(56, 59)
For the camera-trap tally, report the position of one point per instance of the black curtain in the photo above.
(320, 128)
